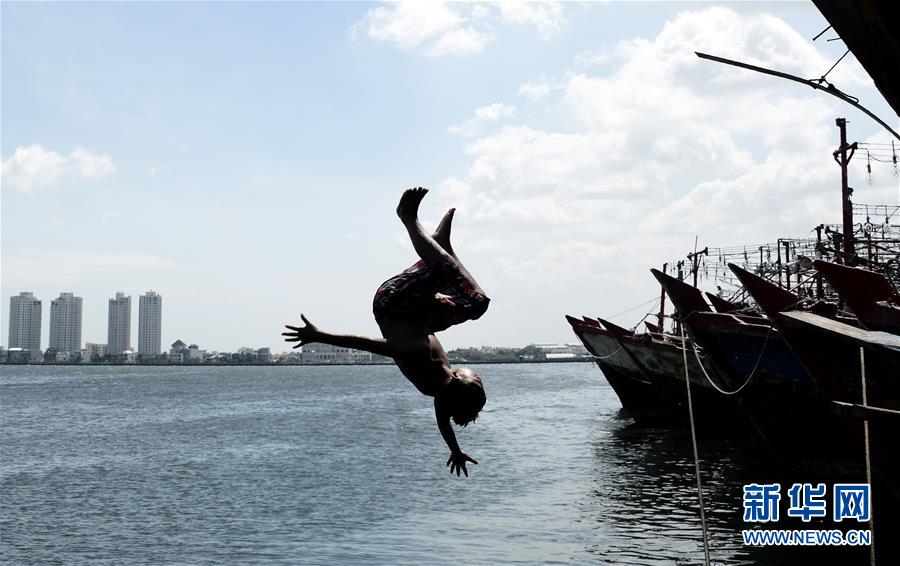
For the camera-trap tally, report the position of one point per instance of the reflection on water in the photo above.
(646, 506)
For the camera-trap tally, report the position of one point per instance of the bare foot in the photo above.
(442, 233)
(408, 208)
(443, 298)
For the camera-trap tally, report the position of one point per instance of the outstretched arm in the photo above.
(310, 333)
(458, 458)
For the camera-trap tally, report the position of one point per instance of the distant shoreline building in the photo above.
(150, 324)
(25, 322)
(65, 323)
(568, 351)
(181, 353)
(317, 353)
(119, 327)
(92, 350)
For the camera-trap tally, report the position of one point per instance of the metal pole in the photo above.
(778, 248)
(819, 290)
(810, 83)
(846, 204)
(680, 265)
(787, 264)
(662, 302)
(865, 402)
(869, 245)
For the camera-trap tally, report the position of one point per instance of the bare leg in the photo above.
(428, 248)
(408, 211)
(442, 234)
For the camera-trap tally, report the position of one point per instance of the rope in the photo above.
(650, 312)
(749, 377)
(687, 383)
(607, 355)
(703, 369)
(862, 366)
(628, 310)
(601, 358)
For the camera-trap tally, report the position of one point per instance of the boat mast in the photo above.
(662, 302)
(842, 159)
(695, 262)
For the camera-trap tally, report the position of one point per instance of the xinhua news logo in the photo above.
(849, 501)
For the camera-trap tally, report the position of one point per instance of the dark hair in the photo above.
(465, 398)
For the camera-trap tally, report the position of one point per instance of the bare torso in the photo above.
(425, 365)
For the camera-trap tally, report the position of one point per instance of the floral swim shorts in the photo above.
(410, 295)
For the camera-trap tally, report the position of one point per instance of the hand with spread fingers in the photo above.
(301, 334)
(458, 461)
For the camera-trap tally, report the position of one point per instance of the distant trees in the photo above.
(530, 353)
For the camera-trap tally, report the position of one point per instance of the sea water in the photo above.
(344, 465)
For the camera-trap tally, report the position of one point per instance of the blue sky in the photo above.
(244, 160)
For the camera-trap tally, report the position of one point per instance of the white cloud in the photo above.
(440, 26)
(33, 166)
(535, 90)
(593, 57)
(408, 24)
(547, 17)
(495, 111)
(483, 115)
(460, 41)
(455, 28)
(658, 146)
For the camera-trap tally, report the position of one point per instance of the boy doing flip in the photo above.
(434, 294)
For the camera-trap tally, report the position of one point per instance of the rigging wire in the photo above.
(821, 33)
(635, 307)
(822, 79)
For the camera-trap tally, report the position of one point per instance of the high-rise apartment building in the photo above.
(150, 324)
(25, 322)
(119, 327)
(65, 323)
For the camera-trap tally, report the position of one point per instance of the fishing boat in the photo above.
(647, 372)
(854, 367)
(828, 344)
(638, 396)
(756, 367)
(871, 296)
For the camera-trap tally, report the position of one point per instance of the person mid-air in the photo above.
(434, 294)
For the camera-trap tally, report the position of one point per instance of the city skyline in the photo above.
(65, 328)
(247, 162)
(65, 334)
